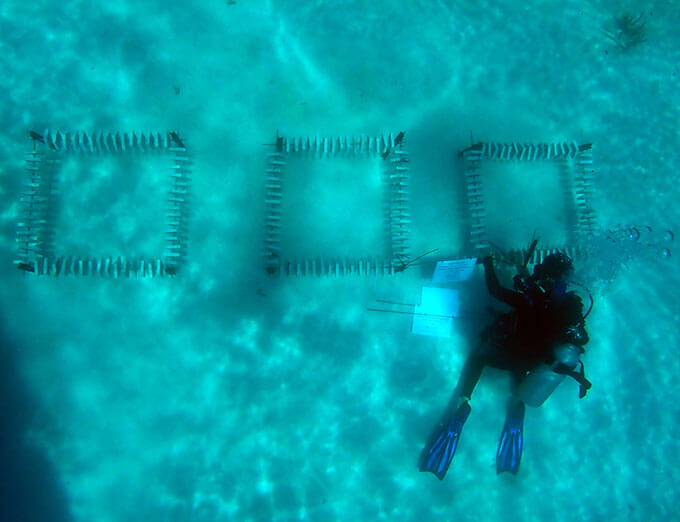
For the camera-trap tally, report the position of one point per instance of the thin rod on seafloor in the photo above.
(408, 313)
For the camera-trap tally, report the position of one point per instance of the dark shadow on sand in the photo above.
(30, 489)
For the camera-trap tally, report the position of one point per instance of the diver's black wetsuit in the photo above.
(523, 338)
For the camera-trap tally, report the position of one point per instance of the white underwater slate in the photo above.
(435, 313)
(454, 271)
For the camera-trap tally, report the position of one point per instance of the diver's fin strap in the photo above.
(578, 375)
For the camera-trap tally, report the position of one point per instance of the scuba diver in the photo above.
(539, 341)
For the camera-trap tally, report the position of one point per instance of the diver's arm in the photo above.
(501, 293)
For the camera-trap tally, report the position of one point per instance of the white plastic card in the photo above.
(454, 271)
(435, 313)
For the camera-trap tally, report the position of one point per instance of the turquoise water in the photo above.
(225, 394)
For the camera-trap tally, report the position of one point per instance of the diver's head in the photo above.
(554, 271)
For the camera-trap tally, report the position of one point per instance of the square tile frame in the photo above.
(574, 162)
(36, 226)
(397, 220)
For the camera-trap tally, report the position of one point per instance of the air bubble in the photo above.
(666, 252)
(669, 236)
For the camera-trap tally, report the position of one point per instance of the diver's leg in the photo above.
(509, 453)
(438, 452)
(517, 376)
(511, 442)
(472, 371)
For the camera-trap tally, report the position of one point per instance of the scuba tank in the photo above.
(539, 383)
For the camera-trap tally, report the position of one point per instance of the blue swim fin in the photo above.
(510, 445)
(438, 452)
